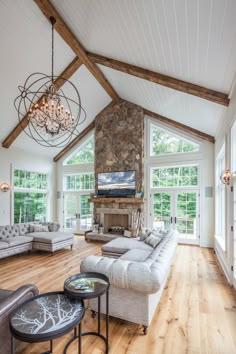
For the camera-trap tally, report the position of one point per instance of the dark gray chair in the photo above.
(9, 300)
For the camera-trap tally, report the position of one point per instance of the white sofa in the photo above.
(137, 273)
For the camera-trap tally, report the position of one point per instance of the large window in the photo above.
(220, 196)
(181, 176)
(30, 196)
(84, 154)
(163, 142)
(79, 182)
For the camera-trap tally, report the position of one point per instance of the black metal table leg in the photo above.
(51, 346)
(79, 340)
(99, 313)
(107, 321)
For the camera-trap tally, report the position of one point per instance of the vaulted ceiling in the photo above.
(190, 40)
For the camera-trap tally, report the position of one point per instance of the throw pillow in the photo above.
(153, 240)
(144, 232)
(38, 228)
(53, 227)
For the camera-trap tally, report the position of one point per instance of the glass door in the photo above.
(186, 216)
(86, 212)
(162, 210)
(178, 210)
(78, 212)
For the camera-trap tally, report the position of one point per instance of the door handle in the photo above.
(175, 219)
(171, 219)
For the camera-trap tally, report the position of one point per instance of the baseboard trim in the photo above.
(223, 265)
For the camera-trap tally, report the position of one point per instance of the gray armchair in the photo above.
(9, 300)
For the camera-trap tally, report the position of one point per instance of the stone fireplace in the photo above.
(119, 146)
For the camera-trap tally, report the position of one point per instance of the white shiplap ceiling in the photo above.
(192, 40)
(187, 109)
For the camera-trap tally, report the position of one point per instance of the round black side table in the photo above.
(45, 317)
(89, 285)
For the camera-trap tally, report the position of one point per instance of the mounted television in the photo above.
(116, 184)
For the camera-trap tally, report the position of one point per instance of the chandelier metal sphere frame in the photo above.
(53, 118)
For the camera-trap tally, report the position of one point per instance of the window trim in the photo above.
(28, 190)
(176, 134)
(151, 168)
(78, 149)
(77, 174)
(220, 207)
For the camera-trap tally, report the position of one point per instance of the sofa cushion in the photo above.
(18, 240)
(135, 255)
(50, 237)
(3, 245)
(38, 228)
(122, 244)
(153, 240)
(8, 231)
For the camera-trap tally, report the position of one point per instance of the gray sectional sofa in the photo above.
(137, 273)
(20, 238)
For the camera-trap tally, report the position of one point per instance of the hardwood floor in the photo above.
(196, 314)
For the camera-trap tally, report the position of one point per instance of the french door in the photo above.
(77, 212)
(178, 210)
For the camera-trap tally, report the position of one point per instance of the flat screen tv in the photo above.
(116, 184)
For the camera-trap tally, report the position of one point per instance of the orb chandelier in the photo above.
(52, 117)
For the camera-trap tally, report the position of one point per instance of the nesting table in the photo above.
(45, 317)
(89, 285)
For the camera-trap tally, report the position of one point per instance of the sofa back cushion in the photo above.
(8, 231)
(153, 240)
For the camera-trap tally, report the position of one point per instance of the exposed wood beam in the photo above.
(66, 74)
(180, 126)
(160, 79)
(75, 141)
(61, 27)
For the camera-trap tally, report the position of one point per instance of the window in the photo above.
(79, 182)
(164, 142)
(181, 176)
(85, 153)
(30, 196)
(220, 196)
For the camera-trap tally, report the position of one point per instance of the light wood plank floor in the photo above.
(196, 314)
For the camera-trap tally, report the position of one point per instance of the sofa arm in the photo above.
(124, 274)
(16, 297)
(7, 305)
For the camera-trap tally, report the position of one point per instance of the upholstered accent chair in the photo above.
(9, 300)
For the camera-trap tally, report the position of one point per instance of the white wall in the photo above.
(16, 158)
(205, 160)
(225, 256)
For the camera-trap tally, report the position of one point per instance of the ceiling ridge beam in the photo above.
(163, 80)
(182, 127)
(66, 74)
(75, 141)
(61, 27)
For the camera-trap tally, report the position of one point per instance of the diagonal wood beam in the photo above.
(160, 79)
(61, 27)
(182, 127)
(75, 141)
(66, 74)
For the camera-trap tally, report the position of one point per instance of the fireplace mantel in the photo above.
(117, 200)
